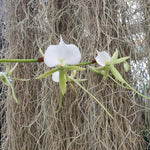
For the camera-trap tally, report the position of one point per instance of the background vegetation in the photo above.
(28, 25)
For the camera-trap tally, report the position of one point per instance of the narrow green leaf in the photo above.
(105, 73)
(12, 88)
(126, 66)
(74, 68)
(48, 73)
(116, 74)
(115, 55)
(81, 80)
(94, 70)
(73, 88)
(102, 69)
(62, 81)
(66, 76)
(11, 71)
(41, 52)
(73, 73)
(5, 81)
(93, 97)
(98, 70)
(118, 61)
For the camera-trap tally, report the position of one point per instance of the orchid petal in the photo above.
(62, 81)
(102, 58)
(62, 54)
(71, 55)
(55, 76)
(51, 56)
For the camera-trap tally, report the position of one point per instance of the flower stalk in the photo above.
(40, 59)
(21, 60)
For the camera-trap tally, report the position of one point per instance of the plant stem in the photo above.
(19, 60)
(41, 59)
(86, 63)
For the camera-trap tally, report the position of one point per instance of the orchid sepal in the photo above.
(94, 70)
(115, 55)
(73, 73)
(73, 88)
(68, 67)
(102, 68)
(116, 74)
(126, 66)
(105, 73)
(62, 81)
(48, 73)
(98, 70)
(118, 61)
(11, 71)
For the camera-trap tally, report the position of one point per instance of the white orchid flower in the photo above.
(107, 64)
(61, 55)
(102, 58)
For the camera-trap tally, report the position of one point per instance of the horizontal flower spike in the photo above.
(55, 76)
(102, 58)
(62, 54)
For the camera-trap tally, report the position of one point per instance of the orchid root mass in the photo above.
(63, 57)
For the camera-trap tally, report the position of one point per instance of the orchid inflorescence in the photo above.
(64, 57)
